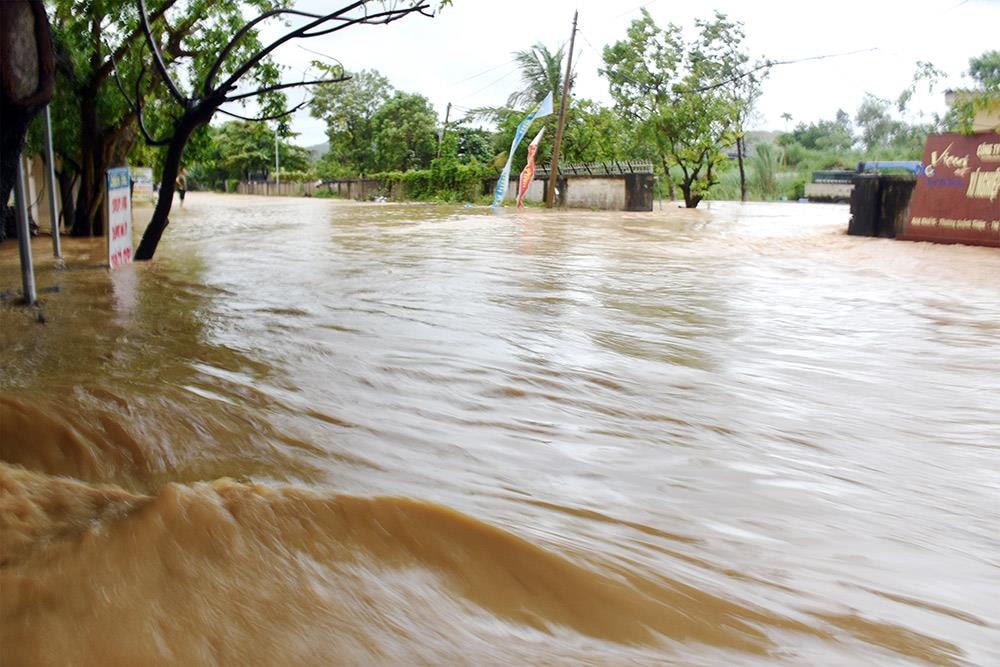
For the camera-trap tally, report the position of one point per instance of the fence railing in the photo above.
(609, 168)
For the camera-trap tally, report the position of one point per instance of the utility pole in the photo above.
(444, 130)
(24, 236)
(51, 174)
(277, 163)
(550, 194)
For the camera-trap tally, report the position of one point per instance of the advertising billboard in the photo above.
(957, 197)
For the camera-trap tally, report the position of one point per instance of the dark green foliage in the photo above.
(448, 179)
(372, 127)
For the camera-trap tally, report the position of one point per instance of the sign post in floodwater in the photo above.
(142, 184)
(119, 207)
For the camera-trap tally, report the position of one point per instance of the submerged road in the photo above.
(319, 432)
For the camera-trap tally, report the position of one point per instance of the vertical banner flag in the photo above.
(119, 208)
(528, 173)
(544, 108)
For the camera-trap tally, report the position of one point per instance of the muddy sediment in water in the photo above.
(324, 432)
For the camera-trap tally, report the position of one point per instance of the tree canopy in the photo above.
(676, 92)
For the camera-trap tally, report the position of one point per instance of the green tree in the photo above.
(243, 61)
(595, 133)
(471, 144)
(720, 57)
(824, 135)
(985, 69)
(404, 133)
(241, 150)
(349, 110)
(874, 122)
(670, 90)
(94, 126)
(541, 74)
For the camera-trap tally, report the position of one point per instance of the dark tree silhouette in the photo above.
(27, 70)
(208, 95)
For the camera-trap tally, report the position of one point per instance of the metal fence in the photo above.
(610, 168)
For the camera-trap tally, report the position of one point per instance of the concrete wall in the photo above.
(270, 189)
(829, 191)
(536, 191)
(606, 193)
(598, 192)
(37, 185)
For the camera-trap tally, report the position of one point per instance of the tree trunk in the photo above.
(27, 73)
(15, 127)
(670, 181)
(691, 200)
(67, 211)
(88, 220)
(184, 128)
(740, 152)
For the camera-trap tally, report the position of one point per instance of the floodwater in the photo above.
(318, 432)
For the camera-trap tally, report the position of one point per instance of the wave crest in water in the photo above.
(148, 578)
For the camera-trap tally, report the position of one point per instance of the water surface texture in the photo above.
(318, 432)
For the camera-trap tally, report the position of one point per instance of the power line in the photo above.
(768, 64)
(486, 71)
(494, 82)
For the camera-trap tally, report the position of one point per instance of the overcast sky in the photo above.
(463, 55)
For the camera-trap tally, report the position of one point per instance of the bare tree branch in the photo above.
(287, 112)
(284, 86)
(137, 107)
(126, 44)
(242, 33)
(158, 57)
(304, 31)
(382, 18)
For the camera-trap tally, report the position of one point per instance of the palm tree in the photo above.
(541, 73)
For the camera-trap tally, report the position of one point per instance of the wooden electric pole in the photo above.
(444, 129)
(550, 194)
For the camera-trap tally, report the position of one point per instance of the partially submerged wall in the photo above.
(627, 192)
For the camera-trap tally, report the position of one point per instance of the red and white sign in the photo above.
(119, 217)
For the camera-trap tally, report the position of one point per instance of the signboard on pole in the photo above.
(119, 207)
(142, 184)
(957, 197)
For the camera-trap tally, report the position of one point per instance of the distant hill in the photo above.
(318, 151)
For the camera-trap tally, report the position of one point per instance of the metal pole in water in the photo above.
(24, 236)
(53, 208)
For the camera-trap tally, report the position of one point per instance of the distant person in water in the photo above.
(182, 184)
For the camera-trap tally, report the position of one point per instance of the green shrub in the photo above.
(448, 180)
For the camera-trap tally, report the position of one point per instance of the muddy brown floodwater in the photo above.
(318, 432)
